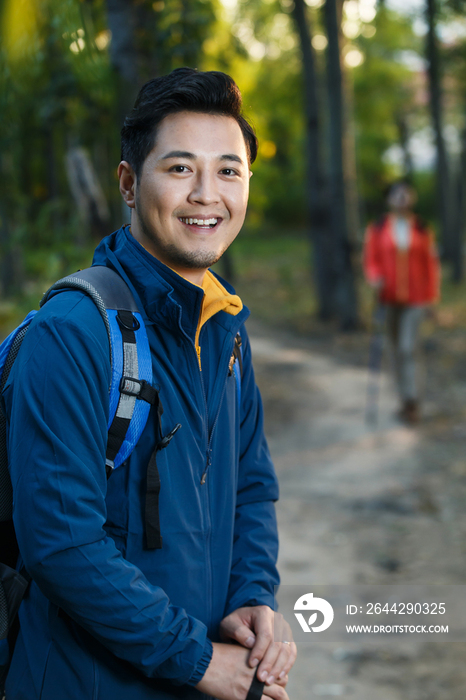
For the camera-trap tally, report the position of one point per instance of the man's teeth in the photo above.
(199, 222)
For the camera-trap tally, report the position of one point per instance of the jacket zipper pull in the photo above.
(208, 463)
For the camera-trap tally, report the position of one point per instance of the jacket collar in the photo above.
(163, 296)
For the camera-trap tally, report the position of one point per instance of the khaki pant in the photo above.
(403, 323)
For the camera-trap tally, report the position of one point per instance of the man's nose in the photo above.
(205, 189)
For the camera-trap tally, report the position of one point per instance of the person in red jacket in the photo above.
(401, 264)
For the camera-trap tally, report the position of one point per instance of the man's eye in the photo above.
(228, 171)
(179, 169)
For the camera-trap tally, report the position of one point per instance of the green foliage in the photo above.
(384, 92)
(183, 27)
(53, 95)
(278, 186)
(58, 89)
(268, 71)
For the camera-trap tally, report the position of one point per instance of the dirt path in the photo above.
(365, 505)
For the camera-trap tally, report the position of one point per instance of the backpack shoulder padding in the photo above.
(131, 364)
(105, 287)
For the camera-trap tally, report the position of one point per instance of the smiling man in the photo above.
(190, 205)
(110, 612)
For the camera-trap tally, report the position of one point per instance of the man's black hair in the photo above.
(184, 89)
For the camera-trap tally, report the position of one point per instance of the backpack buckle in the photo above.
(131, 386)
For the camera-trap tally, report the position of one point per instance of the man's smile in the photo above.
(206, 224)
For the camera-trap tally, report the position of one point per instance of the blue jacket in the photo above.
(105, 617)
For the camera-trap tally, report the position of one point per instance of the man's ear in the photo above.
(128, 181)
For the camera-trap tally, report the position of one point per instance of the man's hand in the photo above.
(253, 628)
(229, 676)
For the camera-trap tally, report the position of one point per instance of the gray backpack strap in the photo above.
(106, 288)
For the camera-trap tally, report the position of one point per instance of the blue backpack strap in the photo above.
(131, 366)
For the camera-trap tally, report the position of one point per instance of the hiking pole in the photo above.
(375, 363)
(429, 348)
(256, 689)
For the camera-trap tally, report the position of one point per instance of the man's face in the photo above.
(191, 196)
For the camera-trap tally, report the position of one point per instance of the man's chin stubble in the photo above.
(195, 260)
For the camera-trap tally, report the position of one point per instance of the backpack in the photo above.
(131, 377)
(131, 396)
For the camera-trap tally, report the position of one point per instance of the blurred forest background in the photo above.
(345, 96)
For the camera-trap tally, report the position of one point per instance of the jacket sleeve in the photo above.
(57, 397)
(253, 573)
(373, 270)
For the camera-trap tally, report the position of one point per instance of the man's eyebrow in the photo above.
(179, 154)
(231, 156)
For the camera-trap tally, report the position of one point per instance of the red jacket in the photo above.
(409, 276)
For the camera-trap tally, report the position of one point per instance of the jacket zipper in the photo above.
(206, 492)
(208, 463)
(209, 448)
(209, 441)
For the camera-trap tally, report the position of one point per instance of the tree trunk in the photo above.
(123, 56)
(344, 284)
(133, 61)
(443, 184)
(87, 193)
(11, 255)
(459, 211)
(317, 199)
(228, 267)
(349, 162)
(7, 277)
(404, 143)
